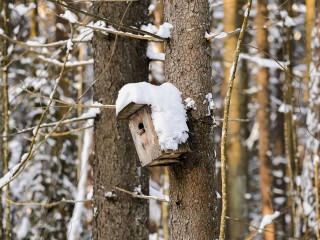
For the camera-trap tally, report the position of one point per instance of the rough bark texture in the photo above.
(116, 162)
(263, 118)
(187, 66)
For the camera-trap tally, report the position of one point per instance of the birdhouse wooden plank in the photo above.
(145, 137)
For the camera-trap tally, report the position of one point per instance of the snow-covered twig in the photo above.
(120, 33)
(67, 64)
(211, 36)
(33, 44)
(142, 196)
(46, 125)
(120, 25)
(46, 205)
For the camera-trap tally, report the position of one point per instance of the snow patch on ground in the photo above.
(168, 112)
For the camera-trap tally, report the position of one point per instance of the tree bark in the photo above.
(187, 66)
(116, 163)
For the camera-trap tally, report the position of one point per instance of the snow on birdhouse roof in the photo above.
(167, 110)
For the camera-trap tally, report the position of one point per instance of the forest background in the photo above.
(60, 168)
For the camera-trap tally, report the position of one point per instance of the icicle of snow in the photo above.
(267, 219)
(165, 30)
(168, 112)
(75, 227)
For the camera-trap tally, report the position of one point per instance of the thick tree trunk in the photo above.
(187, 66)
(263, 118)
(116, 164)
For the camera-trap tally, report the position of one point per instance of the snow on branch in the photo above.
(35, 44)
(92, 113)
(221, 35)
(67, 64)
(143, 196)
(112, 30)
(264, 62)
(133, 29)
(267, 219)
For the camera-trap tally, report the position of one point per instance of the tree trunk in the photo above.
(187, 66)
(116, 163)
(236, 151)
(263, 118)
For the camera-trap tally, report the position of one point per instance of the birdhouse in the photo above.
(145, 137)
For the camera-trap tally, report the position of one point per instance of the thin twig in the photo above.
(46, 125)
(225, 122)
(143, 196)
(46, 205)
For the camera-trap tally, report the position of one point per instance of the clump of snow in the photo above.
(22, 9)
(267, 219)
(151, 8)
(92, 112)
(69, 45)
(149, 28)
(284, 108)
(190, 103)
(168, 112)
(155, 55)
(8, 176)
(1, 31)
(71, 17)
(165, 30)
(210, 103)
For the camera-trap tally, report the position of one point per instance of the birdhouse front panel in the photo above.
(144, 136)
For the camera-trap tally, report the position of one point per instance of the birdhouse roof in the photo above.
(168, 113)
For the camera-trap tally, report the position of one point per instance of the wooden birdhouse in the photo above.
(145, 137)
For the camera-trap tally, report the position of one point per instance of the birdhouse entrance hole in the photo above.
(141, 129)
